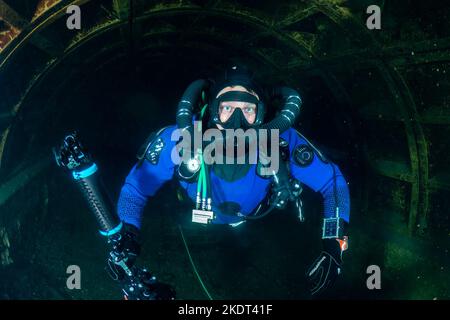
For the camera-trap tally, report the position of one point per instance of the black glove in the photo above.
(142, 285)
(325, 269)
(137, 283)
(125, 250)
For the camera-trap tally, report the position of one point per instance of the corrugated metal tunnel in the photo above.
(375, 101)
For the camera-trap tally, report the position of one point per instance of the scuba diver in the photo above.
(227, 193)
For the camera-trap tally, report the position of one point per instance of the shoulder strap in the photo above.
(151, 148)
(317, 151)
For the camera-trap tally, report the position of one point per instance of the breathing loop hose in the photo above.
(188, 101)
(289, 112)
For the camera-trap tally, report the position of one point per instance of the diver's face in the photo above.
(226, 108)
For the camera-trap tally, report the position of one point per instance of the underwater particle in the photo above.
(399, 258)
(5, 258)
(4, 237)
(6, 241)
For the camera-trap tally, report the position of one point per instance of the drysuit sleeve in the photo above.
(311, 168)
(154, 168)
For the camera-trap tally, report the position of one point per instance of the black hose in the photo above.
(260, 216)
(188, 101)
(289, 112)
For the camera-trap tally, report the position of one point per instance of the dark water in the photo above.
(259, 260)
(264, 259)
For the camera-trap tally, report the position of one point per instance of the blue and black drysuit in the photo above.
(249, 191)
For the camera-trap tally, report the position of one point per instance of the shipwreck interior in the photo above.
(376, 102)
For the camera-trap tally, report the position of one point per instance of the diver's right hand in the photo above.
(125, 250)
(142, 285)
(137, 283)
(71, 154)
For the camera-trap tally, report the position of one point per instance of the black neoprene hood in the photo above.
(236, 76)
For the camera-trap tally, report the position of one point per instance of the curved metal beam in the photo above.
(50, 66)
(416, 140)
(422, 153)
(35, 27)
(412, 144)
(238, 15)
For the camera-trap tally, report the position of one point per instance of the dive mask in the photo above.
(237, 119)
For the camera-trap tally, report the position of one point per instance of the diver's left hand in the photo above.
(326, 268)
